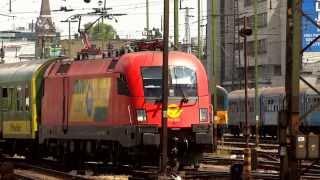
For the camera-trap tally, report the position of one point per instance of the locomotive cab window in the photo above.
(182, 82)
(152, 81)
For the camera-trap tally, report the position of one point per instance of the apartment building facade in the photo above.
(271, 36)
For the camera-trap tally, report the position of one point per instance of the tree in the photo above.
(102, 31)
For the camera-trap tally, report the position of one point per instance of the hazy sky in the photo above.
(130, 26)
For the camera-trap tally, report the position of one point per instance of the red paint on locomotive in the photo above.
(60, 85)
(60, 88)
(132, 65)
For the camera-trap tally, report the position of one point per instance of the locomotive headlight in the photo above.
(204, 115)
(141, 115)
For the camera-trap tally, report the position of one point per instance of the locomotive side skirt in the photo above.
(127, 136)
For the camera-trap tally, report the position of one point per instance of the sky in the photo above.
(129, 26)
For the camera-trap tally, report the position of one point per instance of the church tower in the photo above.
(45, 31)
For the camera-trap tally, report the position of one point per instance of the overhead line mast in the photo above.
(165, 93)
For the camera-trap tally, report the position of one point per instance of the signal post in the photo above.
(244, 32)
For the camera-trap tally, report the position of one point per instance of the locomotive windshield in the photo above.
(182, 82)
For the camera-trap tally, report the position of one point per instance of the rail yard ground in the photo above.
(212, 166)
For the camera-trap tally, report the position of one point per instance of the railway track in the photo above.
(308, 170)
(28, 172)
(46, 169)
(25, 170)
(267, 168)
(207, 175)
(252, 139)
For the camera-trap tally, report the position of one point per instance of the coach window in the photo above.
(234, 106)
(308, 101)
(19, 100)
(122, 85)
(232, 109)
(4, 92)
(27, 99)
(12, 99)
(268, 105)
(4, 98)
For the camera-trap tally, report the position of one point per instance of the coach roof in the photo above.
(19, 72)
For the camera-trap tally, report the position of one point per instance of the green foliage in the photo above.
(102, 31)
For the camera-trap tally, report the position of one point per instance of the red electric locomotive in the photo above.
(106, 110)
(111, 109)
